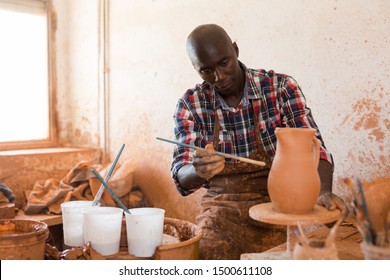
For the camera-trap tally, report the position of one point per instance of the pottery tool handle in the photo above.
(117, 199)
(256, 162)
(101, 189)
(371, 237)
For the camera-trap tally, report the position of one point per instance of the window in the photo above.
(26, 118)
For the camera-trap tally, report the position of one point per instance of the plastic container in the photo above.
(102, 227)
(73, 221)
(144, 228)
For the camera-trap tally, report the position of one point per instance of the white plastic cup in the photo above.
(144, 227)
(102, 227)
(73, 221)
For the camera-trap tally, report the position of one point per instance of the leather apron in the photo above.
(228, 229)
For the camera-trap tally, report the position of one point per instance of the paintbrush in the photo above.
(387, 228)
(300, 233)
(370, 231)
(361, 212)
(256, 162)
(332, 234)
(113, 194)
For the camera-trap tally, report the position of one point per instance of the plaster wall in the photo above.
(338, 51)
(77, 71)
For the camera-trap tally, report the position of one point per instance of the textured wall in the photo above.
(339, 51)
(77, 72)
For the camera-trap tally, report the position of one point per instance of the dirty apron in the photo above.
(228, 229)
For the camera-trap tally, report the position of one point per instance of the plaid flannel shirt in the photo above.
(275, 99)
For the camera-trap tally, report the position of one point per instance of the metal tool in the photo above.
(101, 189)
(117, 199)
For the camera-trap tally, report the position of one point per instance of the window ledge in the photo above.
(41, 151)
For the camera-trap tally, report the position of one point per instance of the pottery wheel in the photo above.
(319, 215)
(265, 213)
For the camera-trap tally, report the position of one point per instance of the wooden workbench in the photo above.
(347, 241)
(50, 220)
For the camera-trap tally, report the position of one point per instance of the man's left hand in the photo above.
(331, 202)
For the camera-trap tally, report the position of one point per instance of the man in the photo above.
(236, 110)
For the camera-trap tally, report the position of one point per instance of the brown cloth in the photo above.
(79, 184)
(228, 229)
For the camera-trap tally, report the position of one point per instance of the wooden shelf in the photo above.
(50, 220)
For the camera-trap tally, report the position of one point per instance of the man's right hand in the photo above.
(206, 163)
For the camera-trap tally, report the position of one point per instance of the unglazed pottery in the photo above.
(22, 239)
(293, 182)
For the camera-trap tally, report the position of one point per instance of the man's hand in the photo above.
(331, 202)
(206, 163)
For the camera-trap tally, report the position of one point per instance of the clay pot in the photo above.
(24, 240)
(377, 195)
(188, 247)
(293, 182)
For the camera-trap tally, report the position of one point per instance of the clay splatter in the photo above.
(367, 116)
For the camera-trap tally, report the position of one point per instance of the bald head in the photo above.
(206, 38)
(215, 58)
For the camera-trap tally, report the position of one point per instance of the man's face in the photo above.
(218, 66)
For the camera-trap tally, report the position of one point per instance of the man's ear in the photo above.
(235, 48)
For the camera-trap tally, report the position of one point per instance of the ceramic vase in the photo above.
(293, 182)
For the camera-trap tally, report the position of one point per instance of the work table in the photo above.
(347, 240)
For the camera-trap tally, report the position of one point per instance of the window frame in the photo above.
(52, 139)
